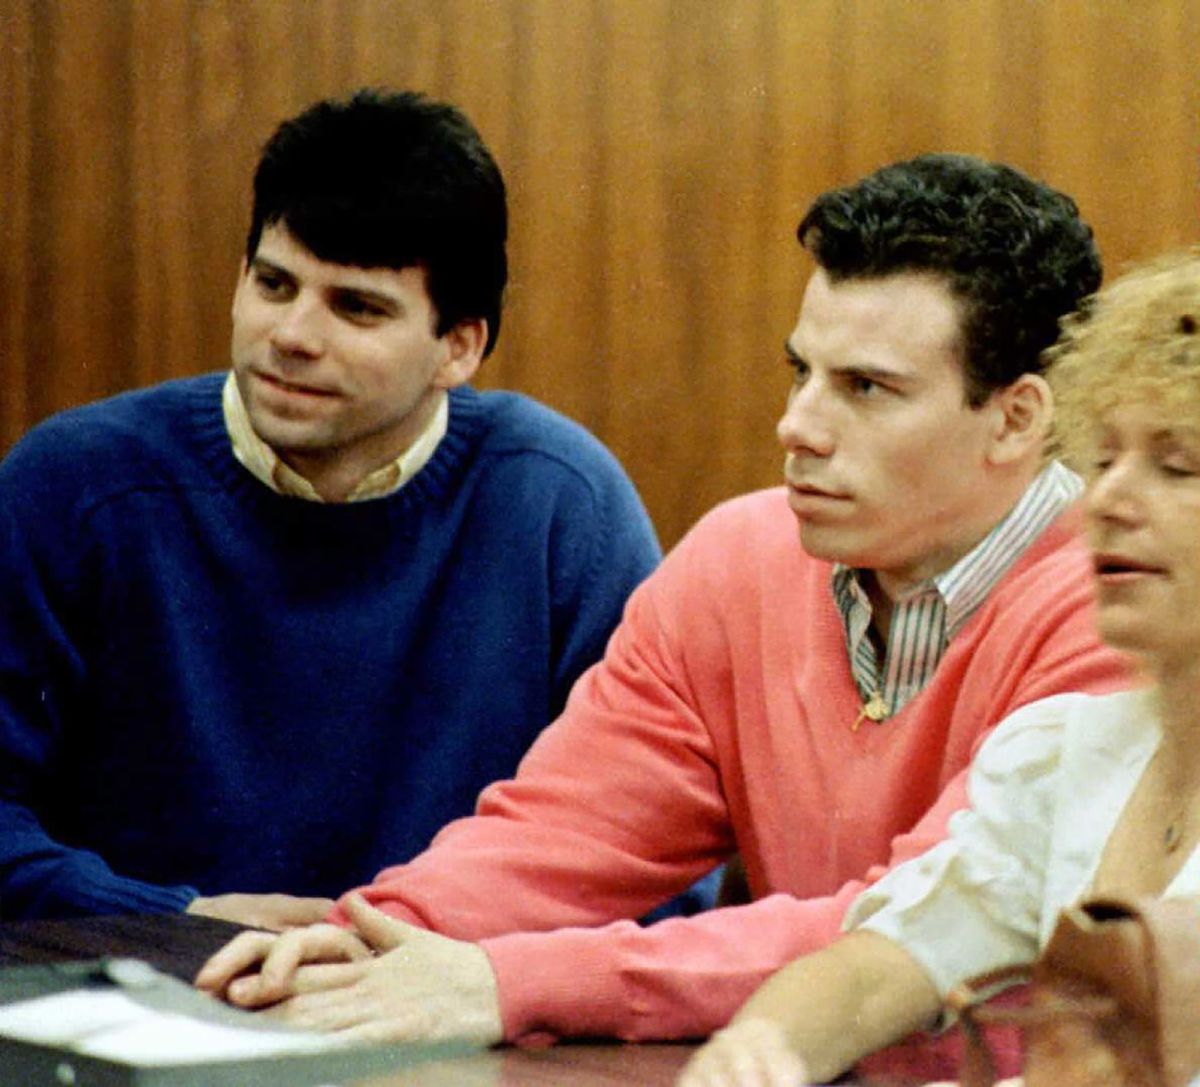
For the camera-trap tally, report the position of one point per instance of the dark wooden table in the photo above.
(179, 944)
(568, 1064)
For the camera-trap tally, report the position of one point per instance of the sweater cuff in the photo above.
(131, 896)
(177, 899)
(557, 984)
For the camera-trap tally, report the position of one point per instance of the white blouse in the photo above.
(1046, 791)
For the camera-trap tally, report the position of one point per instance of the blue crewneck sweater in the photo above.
(207, 687)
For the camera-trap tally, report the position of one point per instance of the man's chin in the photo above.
(290, 435)
(821, 543)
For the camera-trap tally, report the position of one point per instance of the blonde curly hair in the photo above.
(1138, 339)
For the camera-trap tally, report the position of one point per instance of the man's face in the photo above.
(886, 463)
(339, 366)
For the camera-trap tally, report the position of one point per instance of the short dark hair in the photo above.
(392, 179)
(1015, 252)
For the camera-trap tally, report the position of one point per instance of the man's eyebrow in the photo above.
(884, 374)
(367, 294)
(855, 369)
(263, 264)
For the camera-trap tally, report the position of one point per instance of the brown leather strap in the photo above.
(972, 992)
(978, 1068)
(1077, 1007)
(966, 1000)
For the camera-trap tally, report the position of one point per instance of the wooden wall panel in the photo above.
(16, 245)
(658, 152)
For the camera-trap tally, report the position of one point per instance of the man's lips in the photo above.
(297, 388)
(809, 490)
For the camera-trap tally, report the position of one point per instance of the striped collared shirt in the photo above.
(924, 620)
(265, 464)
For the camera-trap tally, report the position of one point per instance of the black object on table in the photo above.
(177, 944)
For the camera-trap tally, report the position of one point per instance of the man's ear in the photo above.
(1023, 413)
(464, 344)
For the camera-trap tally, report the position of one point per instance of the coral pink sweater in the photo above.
(720, 720)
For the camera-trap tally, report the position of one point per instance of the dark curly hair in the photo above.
(1015, 251)
(392, 179)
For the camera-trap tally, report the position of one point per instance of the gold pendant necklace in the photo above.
(874, 709)
(1177, 828)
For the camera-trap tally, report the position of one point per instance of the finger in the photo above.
(379, 930)
(317, 943)
(306, 911)
(750, 1054)
(779, 1066)
(748, 1068)
(716, 1070)
(323, 976)
(242, 952)
(714, 1065)
(698, 1073)
(273, 982)
(764, 1068)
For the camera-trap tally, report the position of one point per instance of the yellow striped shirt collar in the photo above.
(265, 464)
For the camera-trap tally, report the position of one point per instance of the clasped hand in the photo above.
(383, 981)
(747, 1053)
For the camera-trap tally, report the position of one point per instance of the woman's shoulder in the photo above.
(1032, 741)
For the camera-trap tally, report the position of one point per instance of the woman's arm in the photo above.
(817, 1016)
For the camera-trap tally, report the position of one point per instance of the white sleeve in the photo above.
(974, 901)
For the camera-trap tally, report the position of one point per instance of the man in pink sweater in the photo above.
(808, 703)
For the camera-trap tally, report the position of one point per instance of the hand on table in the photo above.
(389, 981)
(274, 912)
(747, 1053)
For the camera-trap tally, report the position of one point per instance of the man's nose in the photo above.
(805, 425)
(296, 332)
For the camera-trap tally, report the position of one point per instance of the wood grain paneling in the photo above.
(658, 153)
(16, 192)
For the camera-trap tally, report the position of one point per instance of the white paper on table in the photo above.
(111, 1025)
(65, 1018)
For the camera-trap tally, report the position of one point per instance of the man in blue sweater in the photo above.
(264, 632)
